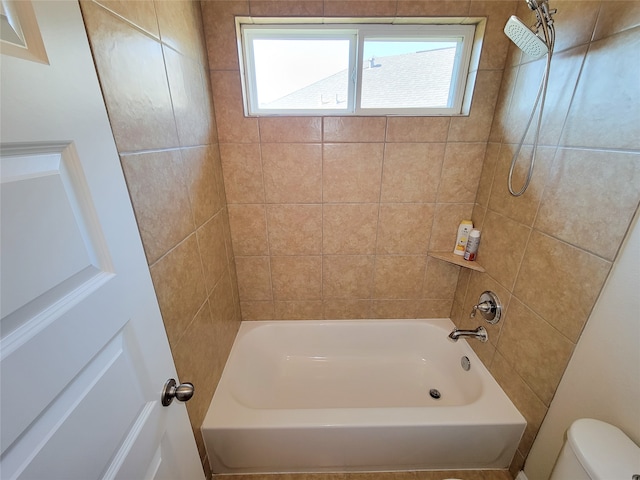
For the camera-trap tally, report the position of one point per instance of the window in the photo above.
(355, 69)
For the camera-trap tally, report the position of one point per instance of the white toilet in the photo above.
(595, 450)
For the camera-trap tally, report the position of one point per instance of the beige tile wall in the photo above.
(152, 66)
(333, 217)
(547, 253)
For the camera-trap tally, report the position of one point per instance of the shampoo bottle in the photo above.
(463, 235)
(471, 252)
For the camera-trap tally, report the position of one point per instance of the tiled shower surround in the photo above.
(152, 66)
(333, 217)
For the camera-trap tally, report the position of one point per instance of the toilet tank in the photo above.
(595, 450)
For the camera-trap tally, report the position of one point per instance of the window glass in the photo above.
(407, 73)
(301, 73)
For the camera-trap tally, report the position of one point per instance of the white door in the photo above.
(83, 352)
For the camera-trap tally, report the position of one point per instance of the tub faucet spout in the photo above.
(479, 333)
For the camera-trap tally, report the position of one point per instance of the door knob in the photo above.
(171, 390)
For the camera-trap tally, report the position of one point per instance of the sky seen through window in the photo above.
(284, 66)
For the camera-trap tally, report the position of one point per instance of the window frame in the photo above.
(358, 33)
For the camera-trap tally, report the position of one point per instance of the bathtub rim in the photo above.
(497, 407)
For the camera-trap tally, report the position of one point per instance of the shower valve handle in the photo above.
(489, 307)
(483, 307)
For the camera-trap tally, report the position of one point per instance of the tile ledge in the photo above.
(457, 260)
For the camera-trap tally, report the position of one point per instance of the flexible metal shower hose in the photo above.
(549, 36)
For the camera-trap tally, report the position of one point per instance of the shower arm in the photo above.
(544, 20)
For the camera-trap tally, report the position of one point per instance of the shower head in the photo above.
(525, 39)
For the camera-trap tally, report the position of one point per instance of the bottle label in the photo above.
(462, 244)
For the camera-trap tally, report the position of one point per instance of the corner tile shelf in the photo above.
(457, 260)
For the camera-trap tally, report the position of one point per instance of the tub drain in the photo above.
(435, 393)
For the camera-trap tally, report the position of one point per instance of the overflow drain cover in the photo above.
(466, 363)
(434, 393)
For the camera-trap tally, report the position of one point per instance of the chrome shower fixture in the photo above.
(528, 39)
(525, 39)
(532, 44)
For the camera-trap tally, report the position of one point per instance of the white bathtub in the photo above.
(317, 396)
